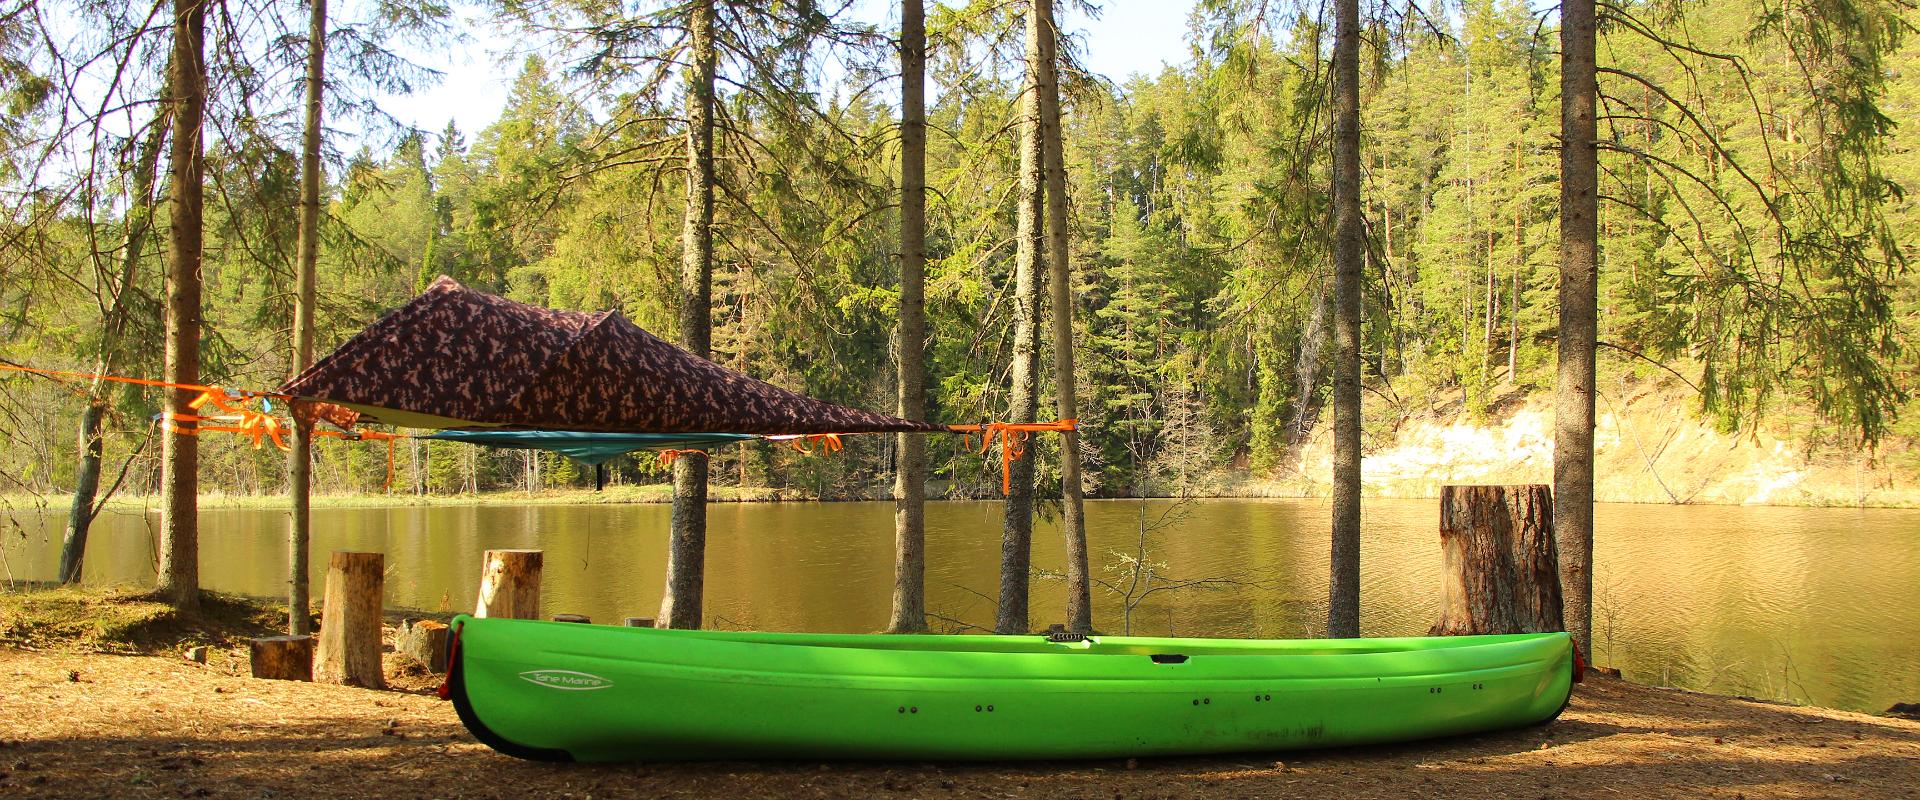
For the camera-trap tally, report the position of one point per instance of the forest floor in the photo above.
(79, 722)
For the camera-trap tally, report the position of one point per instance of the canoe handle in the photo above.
(1168, 658)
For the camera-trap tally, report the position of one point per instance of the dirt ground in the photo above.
(92, 725)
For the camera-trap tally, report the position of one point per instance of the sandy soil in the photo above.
(76, 725)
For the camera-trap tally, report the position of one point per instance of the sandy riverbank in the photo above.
(90, 725)
(96, 700)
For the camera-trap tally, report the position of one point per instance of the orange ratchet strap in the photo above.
(367, 436)
(254, 425)
(668, 456)
(805, 443)
(1013, 441)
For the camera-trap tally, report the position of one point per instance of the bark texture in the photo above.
(426, 642)
(910, 469)
(1016, 538)
(1343, 601)
(179, 581)
(91, 445)
(282, 658)
(510, 584)
(1573, 389)
(687, 550)
(349, 648)
(1073, 522)
(1500, 573)
(300, 453)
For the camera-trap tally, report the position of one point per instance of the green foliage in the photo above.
(1751, 235)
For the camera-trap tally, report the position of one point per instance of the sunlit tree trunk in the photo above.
(300, 456)
(1016, 540)
(179, 580)
(1073, 524)
(1579, 318)
(138, 222)
(686, 553)
(1343, 606)
(910, 475)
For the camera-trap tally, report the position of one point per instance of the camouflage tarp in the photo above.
(459, 358)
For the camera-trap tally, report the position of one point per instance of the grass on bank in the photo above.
(129, 621)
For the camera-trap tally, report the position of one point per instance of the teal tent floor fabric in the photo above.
(591, 448)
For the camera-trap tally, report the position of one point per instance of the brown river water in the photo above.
(1812, 605)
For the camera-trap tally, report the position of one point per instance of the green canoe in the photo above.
(563, 691)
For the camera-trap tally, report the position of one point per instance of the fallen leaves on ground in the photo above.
(80, 725)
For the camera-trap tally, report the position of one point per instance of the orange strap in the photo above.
(668, 456)
(390, 438)
(367, 436)
(56, 373)
(1013, 441)
(257, 426)
(805, 443)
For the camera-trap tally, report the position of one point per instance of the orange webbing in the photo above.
(56, 373)
(668, 456)
(257, 426)
(805, 443)
(1013, 441)
(368, 436)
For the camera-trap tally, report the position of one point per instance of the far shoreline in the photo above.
(653, 494)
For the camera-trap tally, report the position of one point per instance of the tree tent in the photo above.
(458, 358)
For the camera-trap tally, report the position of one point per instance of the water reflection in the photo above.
(1813, 605)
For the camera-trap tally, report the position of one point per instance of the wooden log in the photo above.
(1501, 572)
(639, 622)
(579, 618)
(349, 648)
(282, 658)
(509, 584)
(426, 642)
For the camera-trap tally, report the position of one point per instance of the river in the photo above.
(1810, 605)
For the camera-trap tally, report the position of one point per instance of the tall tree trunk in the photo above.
(910, 469)
(300, 455)
(687, 551)
(138, 222)
(1343, 602)
(1309, 361)
(179, 580)
(1579, 318)
(1519, 265)
(1016, 538)
(1073, 523)
(86, 485)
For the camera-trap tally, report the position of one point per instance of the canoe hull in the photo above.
(600, 693)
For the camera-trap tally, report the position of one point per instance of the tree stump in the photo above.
(509, 585)
(1502, 574)
(282, 658)
(349, 650)
(426, 642)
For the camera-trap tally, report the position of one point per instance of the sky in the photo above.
(1128, 37)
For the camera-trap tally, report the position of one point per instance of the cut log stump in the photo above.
(1501, 572)
(509, 584)
(349, 648)
(426, 642)
(282, 658)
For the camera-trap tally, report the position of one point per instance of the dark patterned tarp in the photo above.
(459, 358)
